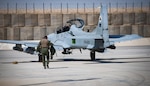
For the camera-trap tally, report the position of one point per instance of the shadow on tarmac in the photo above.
(103, 60)
(67, 80)
(108, 60)
(18, 62)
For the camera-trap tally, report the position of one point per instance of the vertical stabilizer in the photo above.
(102, 27)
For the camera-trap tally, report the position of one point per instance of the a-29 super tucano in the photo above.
(75, 38)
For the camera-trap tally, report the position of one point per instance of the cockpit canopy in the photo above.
(79, 23)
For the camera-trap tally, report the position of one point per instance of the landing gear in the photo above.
(112, 47)
(30, 50)
(92, 55)
(18, 47)
(66, 51)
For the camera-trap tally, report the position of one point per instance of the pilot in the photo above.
(45, 45)
(66, 27)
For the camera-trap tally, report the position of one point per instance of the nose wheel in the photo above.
(92, 55)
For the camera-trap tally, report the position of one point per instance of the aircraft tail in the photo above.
(102, 27)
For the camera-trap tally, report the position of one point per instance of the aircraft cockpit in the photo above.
(79, 23)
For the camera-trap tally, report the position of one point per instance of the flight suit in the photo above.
(44, 47)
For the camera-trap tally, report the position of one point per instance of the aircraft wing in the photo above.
(26, 43)
(58, 44)
(124, 38)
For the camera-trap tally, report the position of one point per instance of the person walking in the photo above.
(44, 46)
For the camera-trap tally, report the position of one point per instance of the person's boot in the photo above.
(44, 67)
(51, 56)
(47, 66)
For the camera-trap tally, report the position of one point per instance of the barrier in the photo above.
(39, 32)
(146, 31)
(148, 18)
(10, 33)
(28, 20)
(56, 19)
(92, 19)
(117, 19)
(128, 18)
(82, 16)
(26, 33)
(2, 33)
(47, 19)
(7, 20)
(13, 26)
(1, 20)
(140, 18)
(125, 29)
(18, 19)
(89, 28)
(13, 33)
(114, 29)
(34, 18)
(137, 29)
(67, 17)
(109, 19)
(41, 20)
(51, 29)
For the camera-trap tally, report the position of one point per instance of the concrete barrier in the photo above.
(28, 20)
(114, 29)
(47, 19)
(92, 19)
(7, 20)
(13, 33)
(14, 20)
(146, 30)
(2, 33)
(26, 33)
(109, 19)
(148, 18)
(31, 20)
(39, 32)
(137, 29)
(16, 33)
(128, 18)
(89, 28)
(41, 20)
(140, 18)
(125, 29)
(18, 20)
(82, 16)
(21, 20)
(1, 20)
(51, 29)
(119, 23)
(117, 19)
(67, 17)
(10, 33)
(34, 19)
(56, 19)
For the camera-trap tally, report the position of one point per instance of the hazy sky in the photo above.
(71, 3)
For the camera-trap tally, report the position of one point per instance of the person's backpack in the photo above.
(52, 50)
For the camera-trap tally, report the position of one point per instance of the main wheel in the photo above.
(92, 55)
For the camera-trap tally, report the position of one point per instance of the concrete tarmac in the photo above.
(125, 66)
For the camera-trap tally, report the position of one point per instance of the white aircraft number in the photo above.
(86, 41)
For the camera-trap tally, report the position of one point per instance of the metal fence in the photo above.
(43, 8)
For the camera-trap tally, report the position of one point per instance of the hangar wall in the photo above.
(35, 26)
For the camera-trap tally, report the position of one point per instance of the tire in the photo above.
(92, 55)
